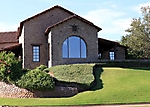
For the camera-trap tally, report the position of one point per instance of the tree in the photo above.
(10, 67)
(138, 36)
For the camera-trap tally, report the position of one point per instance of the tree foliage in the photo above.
(138, 36)
(10, 67)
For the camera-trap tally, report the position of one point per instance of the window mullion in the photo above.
(80, 49)
(68, 48)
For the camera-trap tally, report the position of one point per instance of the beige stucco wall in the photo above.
(61, 32)
(34, 34)
(21, 41)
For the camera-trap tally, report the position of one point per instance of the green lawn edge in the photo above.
(121, 86)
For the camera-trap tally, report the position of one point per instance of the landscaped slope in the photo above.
(121, 85)
(83, 76)
(78, 73)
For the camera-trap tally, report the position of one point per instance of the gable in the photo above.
(73, 17)
(40, 14)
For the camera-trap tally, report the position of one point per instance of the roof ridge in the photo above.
(40, 13)
(108, 40)
(70, 17)
(9, 32)
(56, 6)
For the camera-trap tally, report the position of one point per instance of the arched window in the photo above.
(74, 47)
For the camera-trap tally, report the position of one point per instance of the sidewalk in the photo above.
(115, 105)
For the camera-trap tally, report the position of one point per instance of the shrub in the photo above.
(41, 67)
(10, 67)
(36, 80)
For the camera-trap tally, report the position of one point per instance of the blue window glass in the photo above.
(65, 49)
(112, 55)
(36, 53)
(74, 47)
(83, 49)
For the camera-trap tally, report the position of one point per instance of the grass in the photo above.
(121, 85)
(78, 73)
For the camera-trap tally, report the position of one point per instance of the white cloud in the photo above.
(5, 27)
(113, 23)
(101, 15)
(145, 4)
(138, 8)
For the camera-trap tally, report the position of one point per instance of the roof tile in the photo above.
(8, 37)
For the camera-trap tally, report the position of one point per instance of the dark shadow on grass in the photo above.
(79, 86)
(97, 83)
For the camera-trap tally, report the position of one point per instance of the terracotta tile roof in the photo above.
(12, 47)
(8, 37)
(107, 41)
(73, 16)
(21, 23)
(9, 47)
(105, 44)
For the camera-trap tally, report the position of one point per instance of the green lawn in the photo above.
(121, 85)
(79, 73)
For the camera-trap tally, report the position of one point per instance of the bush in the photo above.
(10, 67)
(41, 67)
(36, 80)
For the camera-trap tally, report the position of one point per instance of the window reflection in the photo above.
(112, 55)
(36, 53)
(74, 47)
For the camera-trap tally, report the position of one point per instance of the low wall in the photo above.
(12, 91)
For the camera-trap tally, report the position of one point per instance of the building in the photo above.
(58, 36)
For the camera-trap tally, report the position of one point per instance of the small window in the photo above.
(36, 53)
(99, 56)
(74, 28)
(112, 55)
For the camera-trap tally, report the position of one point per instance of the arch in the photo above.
(74, 47)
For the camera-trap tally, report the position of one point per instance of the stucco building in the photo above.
(59, 36)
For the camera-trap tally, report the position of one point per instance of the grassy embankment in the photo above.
(121, 85)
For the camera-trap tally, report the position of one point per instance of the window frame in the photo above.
(36, 53)
(112, 55)
(82, 44)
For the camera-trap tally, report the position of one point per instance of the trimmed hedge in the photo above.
(124, 63)
(36, 80)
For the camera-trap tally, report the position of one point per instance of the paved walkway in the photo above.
(124, 105)
(117, 105)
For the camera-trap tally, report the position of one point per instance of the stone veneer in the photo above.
(12, 91)
(33, 33)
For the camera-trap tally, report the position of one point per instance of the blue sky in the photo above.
(113, 16)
